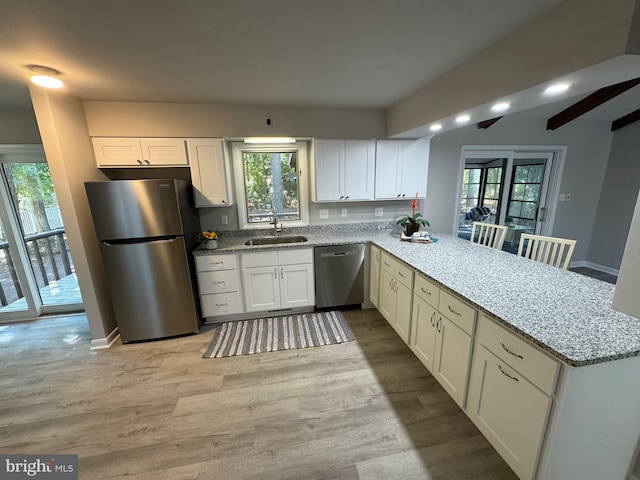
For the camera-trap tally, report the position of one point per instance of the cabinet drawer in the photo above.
(456, 310)
(222, 281)
(427, 291)
(400, 272)
(216, 304)
(295, 256)
(207, 263)
(528, 360)
(260, 259)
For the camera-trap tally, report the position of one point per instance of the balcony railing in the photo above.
(49, 256)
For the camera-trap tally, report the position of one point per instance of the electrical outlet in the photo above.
(562, 197)
(344, 212)
(223, 219)
(378, 212)
(324, 213)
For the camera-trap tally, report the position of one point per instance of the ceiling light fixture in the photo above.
(500, 107)
(463, 119)
(269, 140)
(435, 127)
(45, 76)
(557, 88)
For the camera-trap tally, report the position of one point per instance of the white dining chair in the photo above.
(550, 250)
(489, 234)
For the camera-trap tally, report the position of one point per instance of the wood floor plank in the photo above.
(367, 409)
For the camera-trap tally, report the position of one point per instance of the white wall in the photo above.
(70, 156)
(588, 145)
(618, 198)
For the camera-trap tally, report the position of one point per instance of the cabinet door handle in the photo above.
(439, 325)
(281, 272)
(504, 347)
(341, 197)
(139, 161)
(347, 197)
(433, 319)
(147, 162)
(506, 374)
(403, 195)
(453, 311)
(398, 196)
(378, 257)
(275, 273)
(403, 276)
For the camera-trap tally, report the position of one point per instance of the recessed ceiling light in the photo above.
(463, 119)
(46, 81)
(500, 107)
(557, 88)
(435, 127)
(45, 76)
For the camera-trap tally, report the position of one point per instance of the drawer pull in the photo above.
(403, 276)
(221, 304)
(424, 291)
(510, 352)
(387, 264)
(506, 374)
(217, 263)
(453, 311)
(220, 284)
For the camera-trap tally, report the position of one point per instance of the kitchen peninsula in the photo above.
(584, 357)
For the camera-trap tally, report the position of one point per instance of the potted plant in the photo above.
(412, 224)
(209, 239)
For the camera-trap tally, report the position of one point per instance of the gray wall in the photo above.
(18, 126)
(618, 198)
(588, 145)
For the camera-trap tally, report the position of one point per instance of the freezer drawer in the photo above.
(150, 289)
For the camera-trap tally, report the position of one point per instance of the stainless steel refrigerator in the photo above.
(147, 230)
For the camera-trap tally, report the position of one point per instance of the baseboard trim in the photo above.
(106, 342)
(595, 266)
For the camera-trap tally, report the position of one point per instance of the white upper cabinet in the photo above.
(401, 169)
(209, 172)
(139, 152)
(344, 170)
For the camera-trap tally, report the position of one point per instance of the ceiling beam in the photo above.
(487, 123)
(626, 120)
(589, 103)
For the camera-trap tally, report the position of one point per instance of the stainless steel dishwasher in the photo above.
(339, 275)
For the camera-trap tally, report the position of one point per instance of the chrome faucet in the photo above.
(276, 229)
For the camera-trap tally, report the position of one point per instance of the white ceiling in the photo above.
(337, 53)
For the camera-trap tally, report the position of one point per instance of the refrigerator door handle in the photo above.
(142, 240)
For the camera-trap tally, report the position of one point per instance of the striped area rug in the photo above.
(278, 333)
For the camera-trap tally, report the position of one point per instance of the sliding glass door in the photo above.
(509, 188)
(36, 271)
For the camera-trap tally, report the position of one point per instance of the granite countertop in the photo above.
(565, 313)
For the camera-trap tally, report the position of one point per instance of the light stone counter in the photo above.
(567, 314)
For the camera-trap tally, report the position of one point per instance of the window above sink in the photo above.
(269, 179)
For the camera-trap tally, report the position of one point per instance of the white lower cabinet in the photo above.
(395, 295)
(219, 285)
(442, 344)
(374, 275)
(278, 279)
(507, 405)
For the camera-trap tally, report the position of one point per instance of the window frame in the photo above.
(301, 150)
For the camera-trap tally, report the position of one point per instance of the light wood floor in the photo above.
(157, 410)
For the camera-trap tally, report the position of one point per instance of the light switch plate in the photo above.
(378, 212)
(344, 212)
(223, 219)
(324, 213)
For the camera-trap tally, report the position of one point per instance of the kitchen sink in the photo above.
(276, 240)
